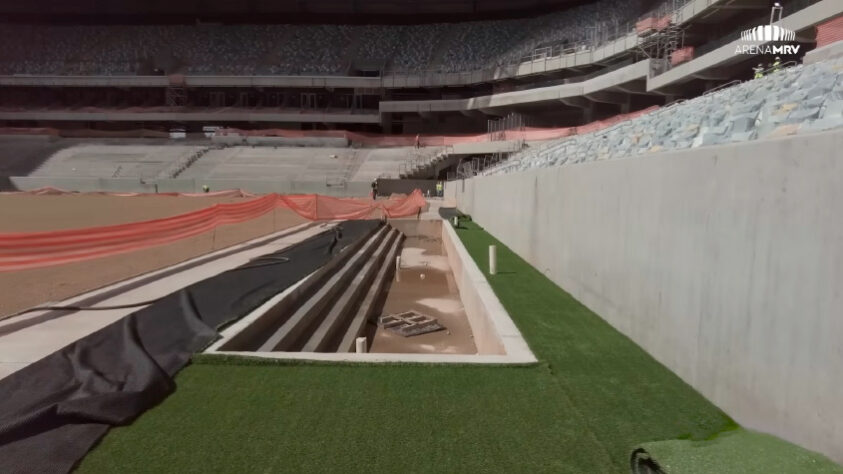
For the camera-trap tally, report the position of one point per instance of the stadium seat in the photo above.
(301, 49)
(795, 100)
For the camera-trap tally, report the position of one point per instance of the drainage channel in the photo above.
(328, 308)
(405, 267)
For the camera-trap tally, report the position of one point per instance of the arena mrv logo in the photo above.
(766, 34)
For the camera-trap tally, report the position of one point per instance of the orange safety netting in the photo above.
(651, 23)
(527, 133)
(830, 32)
(682, 55)
(23, 250)
(365, 139)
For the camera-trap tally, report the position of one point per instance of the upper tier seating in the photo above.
(296, 49)
(795, 100)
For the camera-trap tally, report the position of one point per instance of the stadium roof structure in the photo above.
(408, 11)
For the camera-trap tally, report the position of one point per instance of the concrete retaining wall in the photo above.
(725, 263)
(493, 329)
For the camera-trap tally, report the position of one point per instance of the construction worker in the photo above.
(335, 239)
(205, 188)
(777, 64)
(759, 71)
(439, 189)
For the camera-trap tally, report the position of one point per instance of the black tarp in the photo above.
(53, 411)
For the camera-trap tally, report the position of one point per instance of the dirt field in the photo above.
(21, 213)
(28, 213)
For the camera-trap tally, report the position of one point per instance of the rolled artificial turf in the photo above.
(594, 397)
(739, 451)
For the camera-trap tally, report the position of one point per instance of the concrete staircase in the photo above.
(329, 310)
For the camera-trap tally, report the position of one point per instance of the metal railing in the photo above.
(721, 87)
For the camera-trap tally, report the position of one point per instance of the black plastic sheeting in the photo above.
(53, 411)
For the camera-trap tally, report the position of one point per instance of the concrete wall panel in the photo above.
(725, 263)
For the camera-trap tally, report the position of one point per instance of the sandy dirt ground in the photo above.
(21, 213)
(425, 284)
(28, 213)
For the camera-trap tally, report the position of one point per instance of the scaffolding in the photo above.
(496, 129)
(662, 34)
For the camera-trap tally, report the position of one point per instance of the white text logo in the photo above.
(764, 34)
(768, 33)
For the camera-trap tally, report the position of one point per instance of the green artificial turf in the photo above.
(731, 451)
(594, 396)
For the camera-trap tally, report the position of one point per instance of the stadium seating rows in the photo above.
(794, 100)
(153, 162)
(205, 49)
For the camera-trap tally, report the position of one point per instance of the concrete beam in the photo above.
(606, 97)
(473, 113)
(493, 112)
(578, 102)
(637, 87)
(712, 75)
(197, 115)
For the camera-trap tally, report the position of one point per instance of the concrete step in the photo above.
(288, 337)
(366, 308)
(251, 337)
(325, 337)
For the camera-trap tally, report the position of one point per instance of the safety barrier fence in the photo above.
(381, 140)
(523, 133)
(25, 250)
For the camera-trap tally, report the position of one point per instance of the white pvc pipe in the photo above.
(456, 221)
(397, 268)
(493, 260)
(360, 343)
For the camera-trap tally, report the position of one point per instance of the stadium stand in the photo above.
(794, 100)
(156, 162)
(296, 49)
(114, 161)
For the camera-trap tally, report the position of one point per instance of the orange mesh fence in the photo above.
(652, 23)
(682, 55)
(367, 139)
(24, 250)
(830, 32)
(527, 133)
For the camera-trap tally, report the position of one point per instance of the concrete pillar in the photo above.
(626, 106)
(588, 114)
